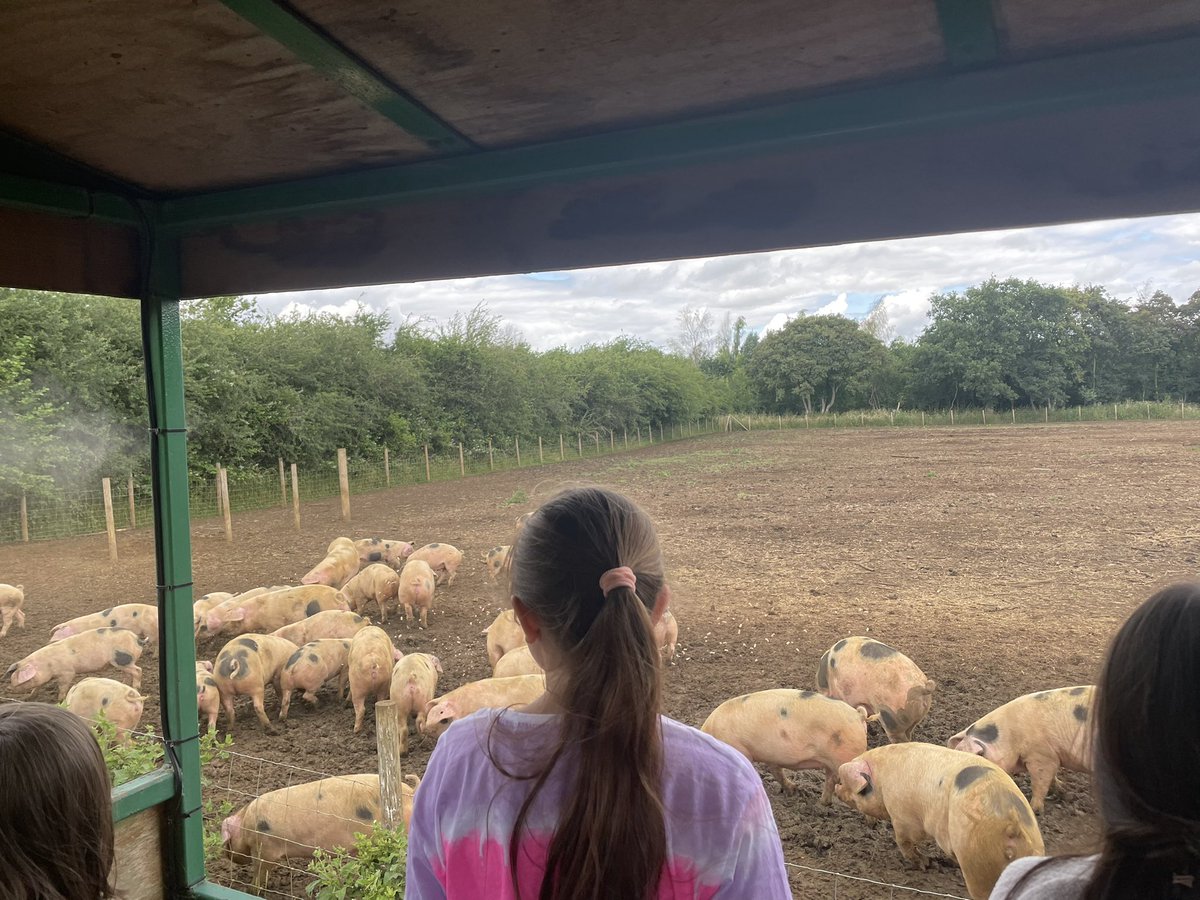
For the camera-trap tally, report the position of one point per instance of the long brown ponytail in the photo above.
(611, 836)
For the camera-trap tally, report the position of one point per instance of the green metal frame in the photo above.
(349, 73)
(968, 32)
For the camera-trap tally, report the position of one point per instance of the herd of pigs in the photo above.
(302, 638)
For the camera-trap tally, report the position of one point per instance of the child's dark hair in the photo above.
(55, 806)
(611, 836)
(1147, 728)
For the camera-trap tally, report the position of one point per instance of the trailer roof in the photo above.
(336, 142)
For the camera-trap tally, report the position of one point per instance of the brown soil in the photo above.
(999, 559)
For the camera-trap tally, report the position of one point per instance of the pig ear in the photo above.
(862, 714)
(207, 665)
(236, 615)
(24, 673)
(437, 664)
(397, 654)
(430, 705)
(930, 686)
(953, 742)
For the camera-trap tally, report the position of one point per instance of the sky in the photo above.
(643, 300)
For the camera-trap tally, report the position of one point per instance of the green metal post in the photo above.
(162, 346)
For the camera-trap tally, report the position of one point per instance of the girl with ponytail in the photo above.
(1146, 779)
(588, 792)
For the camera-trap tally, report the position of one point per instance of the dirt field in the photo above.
(999, 559)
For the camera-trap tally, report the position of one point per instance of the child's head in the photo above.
(1147, 717)
(55, 806)
(597, 642)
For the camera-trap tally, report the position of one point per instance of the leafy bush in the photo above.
(373, 871)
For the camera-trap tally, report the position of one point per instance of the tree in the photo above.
(696, 338)
(812, 361)
(877, 324)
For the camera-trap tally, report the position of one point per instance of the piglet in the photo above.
(208, 694)
(370, 664)
(140, 618)
(496, 561)
(444, 559)
(504, 634)
(246, 665)
(863, 672)
(12, 598)
(339, 565)
(417, 584)
(787, 729)
(516, 691)
(414, 684)
(377, 550)
(666, 635)
(88, 652)
(288, 824)
(1037, 733)
(330, 623)
(376, 583)
(120, 704)
(517, 662)
(310, 667)
(969, 806)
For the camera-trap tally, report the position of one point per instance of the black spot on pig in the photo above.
(136, 613)
(1080, 713)
(264, 826)
(314, 607)
(376, 540)
(1077, 691)
(248, 642)
(227, 665)
(364, 813)
(374, 557)
(1024, 813)
(986, 733)
(208, 680)
(839, 645)
(744, 698)
(103, 630)
(312, 658)
(876, 650)
(889, 721)
(357, 617)
(107, 612)
(112, 622)
(783, 713)
(804, 695)
(823, 672)
(968, 776)
(434, 546)
(836, 739)
(104, 701)
(121, 658)
(293, 659)
(1041, 696)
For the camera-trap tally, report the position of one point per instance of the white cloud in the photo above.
(643, 300)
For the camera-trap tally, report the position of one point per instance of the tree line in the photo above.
(72, 394)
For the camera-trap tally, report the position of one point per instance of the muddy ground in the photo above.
(1000, 559)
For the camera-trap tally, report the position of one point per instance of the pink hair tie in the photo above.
(621, 576)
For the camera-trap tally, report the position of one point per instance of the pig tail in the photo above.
(610, 840)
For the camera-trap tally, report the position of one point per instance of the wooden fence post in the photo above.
(226, 513)
(106, 486)
(388, 740)
(984, 416)
(650, 434)
(217, 487)
(596, 435)
(541, 456)
(1180, 410)
(561, 454)
(282, 485)
(639, 435)
(1014, 413)
(952, 415)
(24, 518)
(462, 463)
(1114, 412)
(387, 467)
(295, 497)
(344, 483)
(427, 478)
(1047, 413)
(625, 437)
(580, 438)
(132, 506)
(661, 439)
(518, 442)
(491, 457)
(1147, 410)
(922, 418)
(612, 440)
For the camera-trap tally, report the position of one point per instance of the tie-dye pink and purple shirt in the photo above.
(721, 836)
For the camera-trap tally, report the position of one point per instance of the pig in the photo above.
(12, 598)
(794, 730)
(504, 634)
(496, 561)
(246, 665)
(289, 823)
(331, 623)
(90, 651)
(370, 666)
(201, 607)
(864, 672)
(208, 694)
(414, 684)
(339, 565)
(521, 520)
(444, 559)
(120, 704)
(417, 583)
(1037, 733)
(140, 618)
(516, 691)
(968, 805)
(377, 550)
(272, 610)
(376, 582)
(517, 662)
(310, 667)
(666, 635)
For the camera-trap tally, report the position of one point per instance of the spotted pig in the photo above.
(90, 651)
(12, 598)
(864, 672)
(310, 667)
(246, 665)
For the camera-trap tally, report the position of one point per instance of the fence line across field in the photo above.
(70, 514)
(892, 888)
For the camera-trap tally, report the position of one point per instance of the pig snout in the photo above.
(230, 827)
